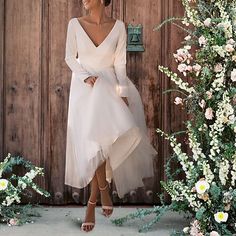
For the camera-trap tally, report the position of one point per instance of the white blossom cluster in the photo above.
(207, 172)
(233, 171)
(3, 164)
(178, 81)
(223, 116)
(187, 165)
(219, 83)
(194, 145)
(12, 197)
(191, 14)
(12, 193)
(181, 192)
(224, 171)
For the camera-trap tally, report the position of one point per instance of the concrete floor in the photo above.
(61, 221)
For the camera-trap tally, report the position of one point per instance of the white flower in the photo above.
(13, 221)
(189, 68)
(219, 49)
(224, 171)
(218, 67)
(214, 233)
(202, 41)
(207, 22)
(221, 217)
(229, 48)
(187, 38)
(3, 184)
(182, 67)
(209, 113)
(231, 41)
(209, 94)
(224, 25)
(202, 186)
(178, 101)
(186, 230)
(234, 58)
(233, 75)
(197, 68)
(202, 104)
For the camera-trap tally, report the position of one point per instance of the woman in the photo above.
(106, 131)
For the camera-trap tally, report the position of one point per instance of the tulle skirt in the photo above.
(101, 127)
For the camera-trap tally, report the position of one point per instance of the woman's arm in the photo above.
(120, 62)
(71, 52)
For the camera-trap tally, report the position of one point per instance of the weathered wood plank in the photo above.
(22, 79)
(2, 94)
(142, 69)
(58, 97)
(45, 159)
(171, 40)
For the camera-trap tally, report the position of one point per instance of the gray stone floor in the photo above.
(61, 221)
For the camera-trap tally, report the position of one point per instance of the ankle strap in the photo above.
(92, 203)
(103, 188)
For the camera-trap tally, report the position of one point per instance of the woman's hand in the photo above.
(91, 80)
(125, 100)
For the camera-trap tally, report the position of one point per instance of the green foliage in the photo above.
(206, 83)
(13, 187)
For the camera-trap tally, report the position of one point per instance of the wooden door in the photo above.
(35, 83)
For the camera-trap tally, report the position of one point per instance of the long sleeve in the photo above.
(120, 63)
(71, 52)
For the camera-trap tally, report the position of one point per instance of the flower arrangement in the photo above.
(14, 187)
(208, 192)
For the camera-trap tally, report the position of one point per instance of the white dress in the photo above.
(100, 125)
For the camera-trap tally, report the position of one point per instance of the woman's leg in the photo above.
(90, 212)
(104, 188)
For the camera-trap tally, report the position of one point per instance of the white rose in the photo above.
(233, 75)
(182, 67)
(231, 41)
(221, 217)
(202, 104)
(214, 233)
(187, 38)
(13, 221)
(209, 113)
(202, 41)
(178, 101)
(207, 22)
(189, 68)
(209, 94)
(218, 67)
(229, 48)
(197, 68)
(186, 230)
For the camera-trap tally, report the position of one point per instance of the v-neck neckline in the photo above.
(104, 40)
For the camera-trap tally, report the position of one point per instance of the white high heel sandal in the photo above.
(84, 225)
(104, 208)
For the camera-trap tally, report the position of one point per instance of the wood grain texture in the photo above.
(22, 79)
(2, 30)
(58, 96)
(172, 115)
(142, 70)
(45, 160)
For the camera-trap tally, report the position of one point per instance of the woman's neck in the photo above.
(98, 15)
